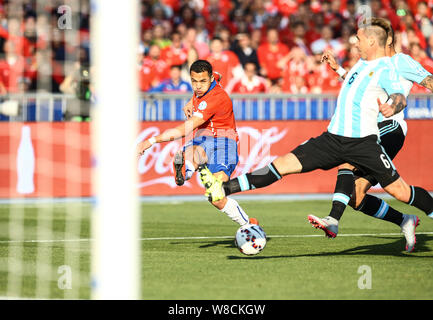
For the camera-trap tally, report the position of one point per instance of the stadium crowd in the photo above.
(257, 46)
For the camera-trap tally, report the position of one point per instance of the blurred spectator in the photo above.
(334, 18)
(299, 31)
(174, 84)
(224, 61)
(12, 69)
(260, 14)
(429, 49)
(419, 55)
(192, 56)
(244, 51)
(190, 41)
(269, 53)
(410, 31)
(320, 77)
(30, 33)
(327, 41)
(298, 85)
(224, 34)
(175, 54)
(422, 19)
(186, 16)
(145, 41)
(294, 67)
(250, 82)
(158, 37)
(77, 82)
(258, 31)
(202, 32)
(22, 46)
(153, 69)
(256, 38)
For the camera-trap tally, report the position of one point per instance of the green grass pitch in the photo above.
(187, 252)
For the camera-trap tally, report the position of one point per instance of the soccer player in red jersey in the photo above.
(215, 138)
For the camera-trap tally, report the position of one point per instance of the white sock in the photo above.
(189, 169)
(235, 212)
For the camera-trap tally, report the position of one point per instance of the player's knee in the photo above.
(199, 155)
(399, 190)
(287, 164)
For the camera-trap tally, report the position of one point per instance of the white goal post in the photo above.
(115, 222)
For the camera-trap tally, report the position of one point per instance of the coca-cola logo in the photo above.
(155, 165)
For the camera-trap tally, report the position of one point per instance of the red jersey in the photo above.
(244, 86)
(11, 72)
(268, 59)
(152, 73)
(216, 108)
(174, 56)
(224, 64)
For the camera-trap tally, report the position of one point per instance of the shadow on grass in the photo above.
(395, 248)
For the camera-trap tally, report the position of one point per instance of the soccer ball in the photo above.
(250, 239)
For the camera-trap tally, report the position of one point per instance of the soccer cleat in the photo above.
(328, 224)
(408, 227)
(253, 221)
(213, 185)
(179, 168)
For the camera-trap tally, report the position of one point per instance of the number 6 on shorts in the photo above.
(385, 161)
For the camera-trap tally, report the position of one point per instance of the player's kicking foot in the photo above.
(328, 224)
(408, 227)
(179, 168)
(213, 185)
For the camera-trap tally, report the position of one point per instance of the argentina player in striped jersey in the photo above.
(392, 134)
(352, 135)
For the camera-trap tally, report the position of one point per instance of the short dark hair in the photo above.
(201, 66)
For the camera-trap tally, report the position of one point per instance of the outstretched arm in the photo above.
(428, 82)
(329, 58)
(395, 103)
(171, 134)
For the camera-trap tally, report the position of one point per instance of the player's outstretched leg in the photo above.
(328, 224)
(185, 163)
(342, 194)
(217, 189)
(412, 195)
(227, 205)
(377, 208)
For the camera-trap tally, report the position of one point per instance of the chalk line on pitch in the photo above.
(219, 237)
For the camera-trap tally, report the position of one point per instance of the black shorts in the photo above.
(329, 150)
(391, 139)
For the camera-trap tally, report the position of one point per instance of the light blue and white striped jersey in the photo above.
(410, 71)
(409, 68)
(356, 114)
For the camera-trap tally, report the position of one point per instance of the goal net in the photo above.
(68, 196)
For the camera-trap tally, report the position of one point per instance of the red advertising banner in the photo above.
(46, 159)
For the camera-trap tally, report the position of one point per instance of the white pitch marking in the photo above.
(219, 237)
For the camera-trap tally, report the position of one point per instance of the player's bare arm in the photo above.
(395, 103)
(171, 134)
(187, 109)
(428, 82)
(329, 58)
